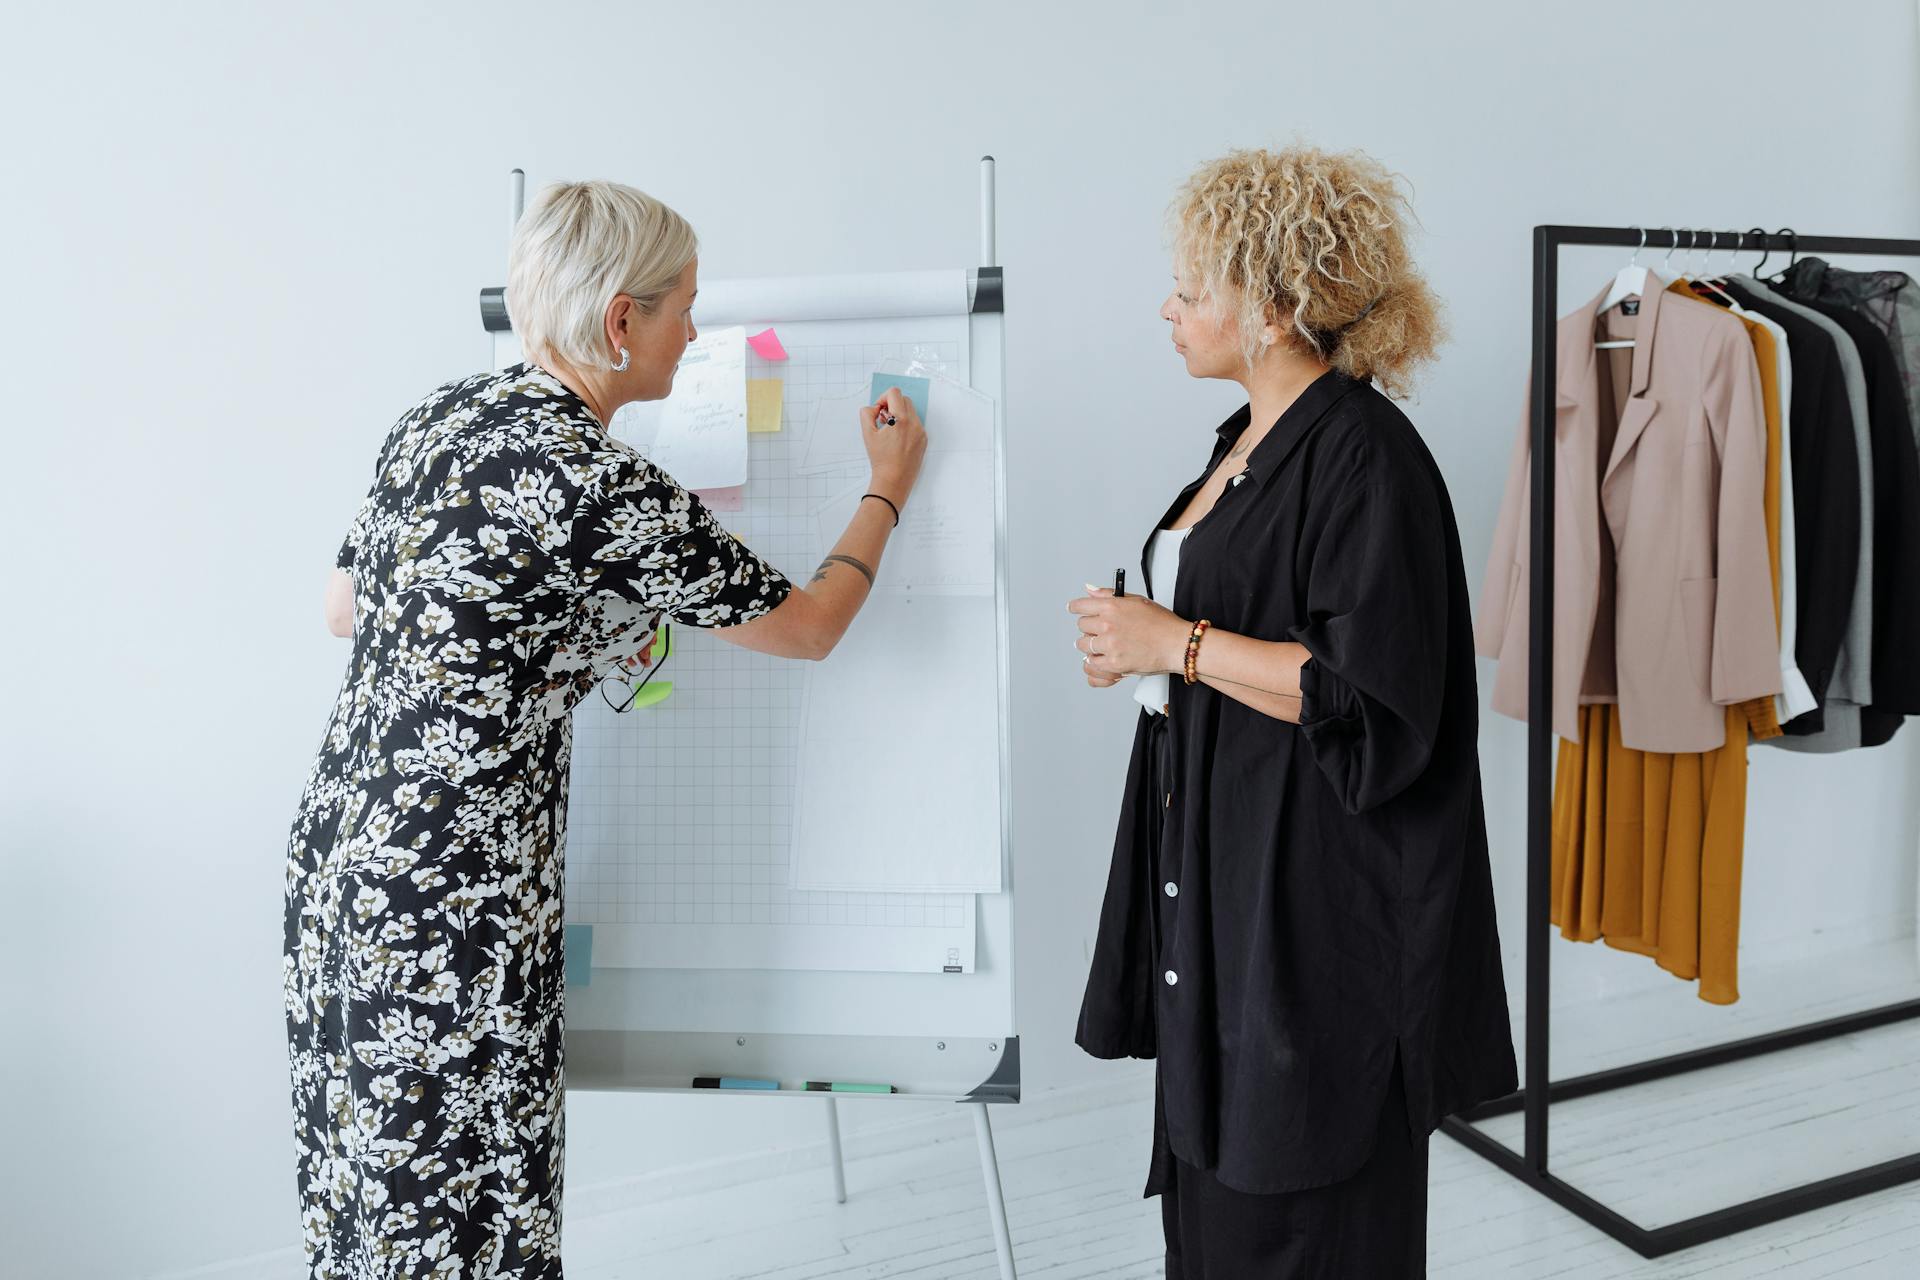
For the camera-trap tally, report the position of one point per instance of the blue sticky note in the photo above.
(579, 947)
(914, 388)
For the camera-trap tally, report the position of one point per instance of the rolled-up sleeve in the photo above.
(1371, 693)
(639, 535)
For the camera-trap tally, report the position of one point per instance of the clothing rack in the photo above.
(1537, 1093)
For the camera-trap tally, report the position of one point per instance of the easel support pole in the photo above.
(996, 1201)
(833, 1144)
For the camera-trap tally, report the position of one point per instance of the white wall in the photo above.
(239, 245)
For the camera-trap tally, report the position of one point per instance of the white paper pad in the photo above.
(908, 801)
(698, 434)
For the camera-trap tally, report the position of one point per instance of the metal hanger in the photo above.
(1688, 271)
(1793, 254)
(1707, 281)
(1673, 242)
(1628, 282)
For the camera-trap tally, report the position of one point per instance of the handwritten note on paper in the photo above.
(766, 345)
(945, 543)
(637, 423)
(764, 403)
(702, 439)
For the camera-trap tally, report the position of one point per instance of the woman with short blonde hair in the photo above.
(508, 556)
(1299, 917)
(580, 244)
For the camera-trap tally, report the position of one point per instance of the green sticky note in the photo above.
(655, 693)
(915, 389)
(579, 948)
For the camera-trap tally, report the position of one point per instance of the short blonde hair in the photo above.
(1314, 241)
(578, 246)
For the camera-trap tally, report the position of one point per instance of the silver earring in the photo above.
(622, 366)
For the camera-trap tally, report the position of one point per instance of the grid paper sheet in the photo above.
(680, 816)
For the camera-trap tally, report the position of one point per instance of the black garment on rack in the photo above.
(1896, 529)
(1877, 295)
(1324, 902)
(1826, 497)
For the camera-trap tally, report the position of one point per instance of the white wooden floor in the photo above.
(1073, 1162)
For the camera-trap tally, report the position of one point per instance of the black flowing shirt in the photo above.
(1324, 898)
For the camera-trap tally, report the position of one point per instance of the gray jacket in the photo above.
(1852, 684)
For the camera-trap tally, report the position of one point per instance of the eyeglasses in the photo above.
(646, 693)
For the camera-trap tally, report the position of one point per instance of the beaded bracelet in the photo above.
(1193, 650)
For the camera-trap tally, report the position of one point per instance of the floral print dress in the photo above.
(509, 554)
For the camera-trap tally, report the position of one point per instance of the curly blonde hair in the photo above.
(1317, 237)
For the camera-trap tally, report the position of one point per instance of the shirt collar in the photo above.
(1300, 417)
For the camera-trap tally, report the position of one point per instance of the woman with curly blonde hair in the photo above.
(1299, 917)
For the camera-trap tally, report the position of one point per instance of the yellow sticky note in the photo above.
(763, 403)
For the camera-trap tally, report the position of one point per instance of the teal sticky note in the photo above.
(914, 388)
(579, 947)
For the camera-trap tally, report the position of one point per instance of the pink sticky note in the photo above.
(734, 499)
(766, 345)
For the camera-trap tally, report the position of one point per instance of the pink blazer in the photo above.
(1663, 597)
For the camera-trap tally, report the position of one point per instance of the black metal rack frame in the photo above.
(1537, 1092)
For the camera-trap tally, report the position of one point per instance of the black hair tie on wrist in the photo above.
(889, 502)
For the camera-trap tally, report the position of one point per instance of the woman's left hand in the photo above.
(1130, 635)
(644, 658)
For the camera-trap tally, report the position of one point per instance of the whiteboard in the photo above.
(704, 961)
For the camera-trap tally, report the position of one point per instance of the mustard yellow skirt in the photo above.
(1647, 849)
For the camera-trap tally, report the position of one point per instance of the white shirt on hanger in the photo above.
(1795, 696)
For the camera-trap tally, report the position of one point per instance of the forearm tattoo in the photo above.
(820, 574)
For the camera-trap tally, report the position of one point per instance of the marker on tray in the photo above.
(843, 1086)
(733, 1082)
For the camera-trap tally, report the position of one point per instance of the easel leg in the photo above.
(833, 1142)
(996, 1203)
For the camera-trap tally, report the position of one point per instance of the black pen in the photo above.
(1119, 582)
